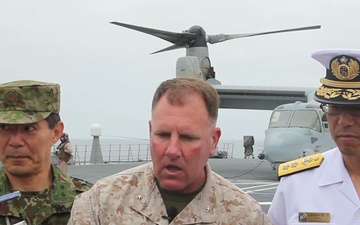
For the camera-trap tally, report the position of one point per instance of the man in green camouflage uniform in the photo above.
(29, 126)
(178, 186)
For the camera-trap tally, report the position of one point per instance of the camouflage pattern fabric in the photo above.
(28, 101)
(132, 197)
(63, 156)
(51, 206)
(62, 153)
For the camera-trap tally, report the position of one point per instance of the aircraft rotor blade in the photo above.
(172, 47)
(213, 39)
(178, 39)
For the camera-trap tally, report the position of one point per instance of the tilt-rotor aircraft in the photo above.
(297, 125)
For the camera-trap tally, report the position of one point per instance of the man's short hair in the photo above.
(178, 88)
(53, 119)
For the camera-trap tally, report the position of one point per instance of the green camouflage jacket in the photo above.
(50, 207)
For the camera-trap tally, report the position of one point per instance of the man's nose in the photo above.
(345, 118)
(15, 139)
(173, 149)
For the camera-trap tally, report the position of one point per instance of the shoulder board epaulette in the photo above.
(300, 164)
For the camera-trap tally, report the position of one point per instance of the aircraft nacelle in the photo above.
(192, 66)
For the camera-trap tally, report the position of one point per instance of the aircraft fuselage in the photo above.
(296, 130)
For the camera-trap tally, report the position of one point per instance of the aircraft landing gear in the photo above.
(275, 167)
(261, 156)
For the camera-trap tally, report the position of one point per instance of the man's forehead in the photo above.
(343, 106)
(24, 124)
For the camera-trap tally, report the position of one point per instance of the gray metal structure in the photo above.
(96, 154)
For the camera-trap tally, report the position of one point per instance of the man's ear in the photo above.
(57, 131)
(150, 127)
(215, 140)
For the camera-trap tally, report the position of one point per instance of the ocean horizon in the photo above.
(124, 149)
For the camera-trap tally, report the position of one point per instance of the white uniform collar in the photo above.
(334, 167)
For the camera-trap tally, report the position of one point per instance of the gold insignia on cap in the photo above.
(345, 68)
(351, 94)
(11, 97)
(328, 93)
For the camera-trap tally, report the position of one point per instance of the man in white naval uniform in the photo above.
(325, 188)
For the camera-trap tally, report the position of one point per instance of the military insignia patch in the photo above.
(345, 67)
(11, 97)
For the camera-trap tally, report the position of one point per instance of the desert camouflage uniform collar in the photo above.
(62, 194)
(146, 199)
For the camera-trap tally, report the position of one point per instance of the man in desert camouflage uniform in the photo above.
(178, 187)
(64, 152)
(29, 126)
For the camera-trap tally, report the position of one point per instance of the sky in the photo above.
(108, 76)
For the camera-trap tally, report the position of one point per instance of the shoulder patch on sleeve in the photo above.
(81, 185)
(300, 164)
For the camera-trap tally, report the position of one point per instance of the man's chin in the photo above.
(171, 185)
(18, 171)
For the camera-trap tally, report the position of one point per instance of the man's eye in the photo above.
(29, 128)
(355, 111)
(163, 135)
(333, 107)
(187, 138)
(4, 127)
